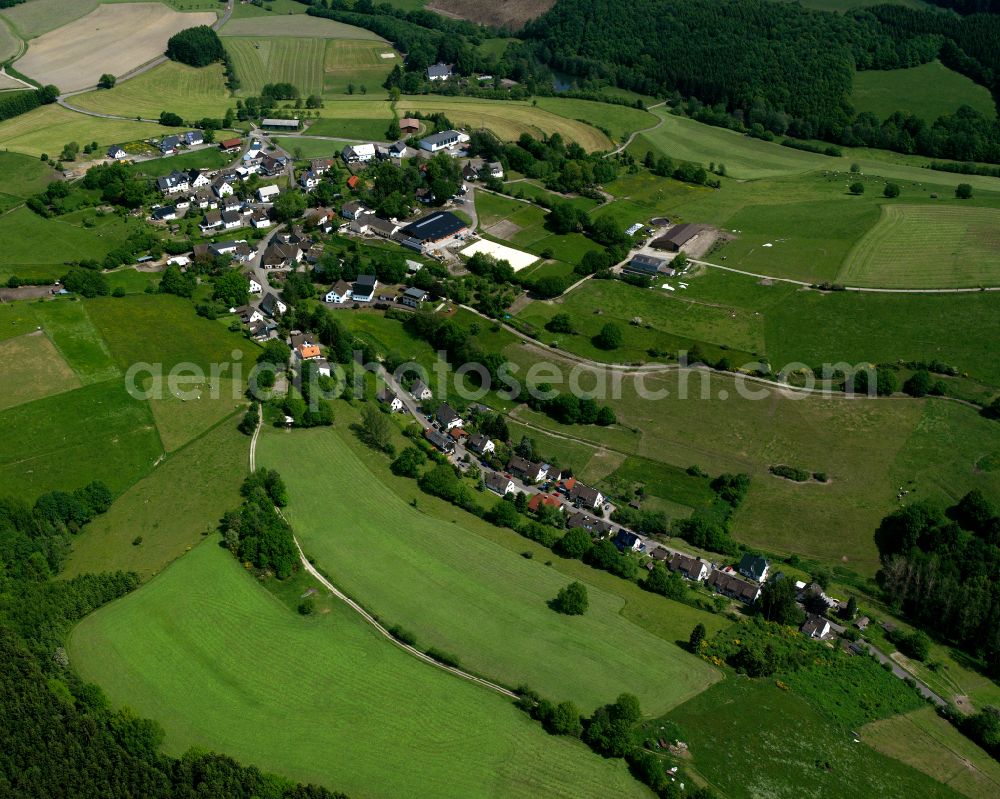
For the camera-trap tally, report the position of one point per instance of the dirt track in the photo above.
(113, 38)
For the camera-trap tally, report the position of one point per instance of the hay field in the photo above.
(112, 38)
(9, 45)
(192, 93)
(297, 25)
(36, 17)
(259, 61)
(47, 129)
(928, 246)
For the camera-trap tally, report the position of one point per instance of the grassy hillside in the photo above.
(223, 665)
(462, 594)
(49, 128)
(930, 91)
(192, 93)
(258, 61)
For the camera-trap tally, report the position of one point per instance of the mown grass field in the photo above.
(207, 158)
(221, 664)
(930, 91)
(928, 743)
(750, 739)
(463, 594)
(310, 148)
(923, 246)
(68, 325)
(22, 176)
(9, 45)
(32, 369)
(357, 62)
(352, 129)
(171, 509)
(49, 128)
(38, 248)
(192, 93)
(296, 25)
(272, 59)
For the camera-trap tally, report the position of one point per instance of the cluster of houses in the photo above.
(420, 235)
(451, 141)
(168, 145)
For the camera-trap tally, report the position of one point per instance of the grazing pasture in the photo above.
(216, 659)
(921, 246)
(49, 128)
(188, 408)
(112, 38)
(39, 248)
(930, 91)
(32, 369)
(64, 441)
(750, 739)
(348, 128)
(22, 176)
(172, 508)
(309, 147)
(193, 93)
(620, 120)
(928, 743)
(463, 594)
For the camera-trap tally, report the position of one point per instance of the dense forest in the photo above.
(940, 568)
(60, 736)
(783, 68)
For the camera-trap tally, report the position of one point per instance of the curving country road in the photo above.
(366, 615)
(631, 136)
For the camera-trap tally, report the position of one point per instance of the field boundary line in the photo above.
(368, 617)
(633, 134)
(806, 284)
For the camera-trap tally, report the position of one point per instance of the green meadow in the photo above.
(749, 738)
(463, 594)
(930, 91)
(217, 660)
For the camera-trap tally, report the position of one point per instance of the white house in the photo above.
(174, 182)
(389, 398)
(178, 260)
(443, 140)
(363, 289)
(116, 152)
(340, 292)
(438, 71)
(198, 178)
(584, 496)
(499, 484)
(816, 627)
(309, 180)
(496, 169)
(480, 444)
(272, 306)
(231, 220)
(352, 210)
(447, 417)
(419, 391)
(268, 193)
(223, 187)
(255, 286)
(358, 153)
(260, 220)
(754, 567)
(691, 568)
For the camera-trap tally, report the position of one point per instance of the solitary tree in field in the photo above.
(697, 636)
(857, 188)
(963, 191)
(610, 337)
(107, 81)
(571, 600)
(891, 190)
